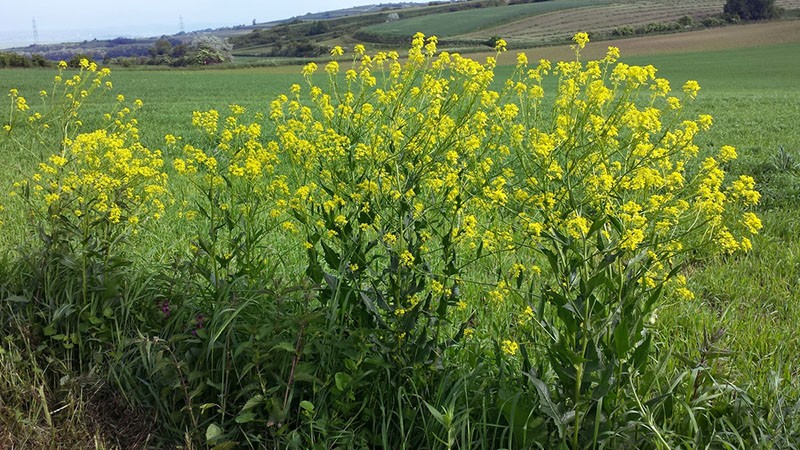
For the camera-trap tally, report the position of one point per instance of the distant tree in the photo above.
(75, 61)
(40, 61)
(209, 50)
(318, 27)
(162, 47)
(752, 9)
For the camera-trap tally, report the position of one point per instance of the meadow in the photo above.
(252, 315)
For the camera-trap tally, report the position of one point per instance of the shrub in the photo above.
(752, 9)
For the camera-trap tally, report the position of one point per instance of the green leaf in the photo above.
(436, 414)
(285, 346)
(17, 299)
(306, 405)
(342, 380)
(547, 405)
(331, 257)
(213, 432)
(253, 401)
(245, 417)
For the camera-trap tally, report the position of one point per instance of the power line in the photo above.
(35, 32)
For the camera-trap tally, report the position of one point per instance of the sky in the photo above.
(78, 20)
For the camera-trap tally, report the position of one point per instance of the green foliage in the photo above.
(752, 9)
(10, 59)
(317, 27)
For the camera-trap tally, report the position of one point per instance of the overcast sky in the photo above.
(78, 20)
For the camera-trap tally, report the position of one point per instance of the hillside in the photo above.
(617, 19)
(471, 26)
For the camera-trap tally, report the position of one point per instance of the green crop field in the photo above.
(244, 355)
(754, 299)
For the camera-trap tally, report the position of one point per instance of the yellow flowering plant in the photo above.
(607, 191)
(387, 164)
(53, 115)
(408, 177)
(88, 194)
(230, 204)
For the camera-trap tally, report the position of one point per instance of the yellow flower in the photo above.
(727, 153)
(578, 226)
(690, 88)
(332, 68)
(309, 69)
(406, 259)
(509, 347)
(337, 51)
(581, 39)
(752, 223)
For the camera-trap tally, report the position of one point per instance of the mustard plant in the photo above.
(403, 175)
(609, 192)
(230, 175)
(81, 203)
(434, 221)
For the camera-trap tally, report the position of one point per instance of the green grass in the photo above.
(461, 22)
(752, 95)
(170, 96)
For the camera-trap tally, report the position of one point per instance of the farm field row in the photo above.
(559, 25)
(553, 21)
(461, 22)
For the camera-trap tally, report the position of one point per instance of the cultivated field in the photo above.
(462, 22)
(555, 21)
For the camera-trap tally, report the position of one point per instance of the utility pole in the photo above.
(35, 32)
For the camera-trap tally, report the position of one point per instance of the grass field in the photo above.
(746, 307)
(754, 298)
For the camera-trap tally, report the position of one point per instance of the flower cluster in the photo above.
(104, 176)
(429, 162)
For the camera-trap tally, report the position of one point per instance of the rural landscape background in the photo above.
(223, 239)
